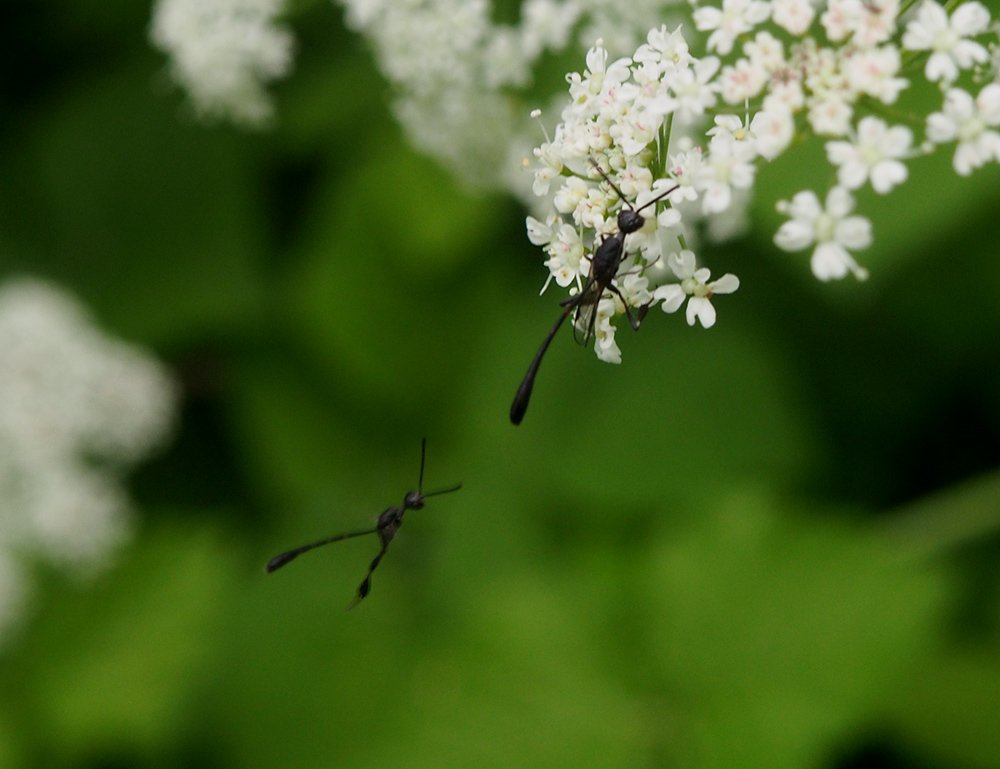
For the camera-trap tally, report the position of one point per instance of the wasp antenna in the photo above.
(423, 456)
(658, 198)
(597, 167)
(438, 492)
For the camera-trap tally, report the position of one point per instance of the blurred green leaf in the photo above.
(377, 296)
(778, 632)
(12, 740)
(684, 402)
(116, 667)
(155, 223)
(947, 707)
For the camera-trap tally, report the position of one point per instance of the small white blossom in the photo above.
(572, 193)
(539, 233)
(599, 81)
(695, 88)
(876, 24)
(668, 49)
(635, 131)
(735, 18)
(840, 18)
(731, 127)
(831, 228)
(872, 71)
(566, 261)
(695, 287)
(768, 133)
(728, 165)
(831, 116)
(773, 130)
(865, 22)
(968, 121)
(550, 168)
(742, 81)
(653, 93)
(875, 154)
(766, 51)
(635, 289)
(684, 169)
(634, 180)
(604, 332)
(947, 39)
(785, 93)
(794, 16)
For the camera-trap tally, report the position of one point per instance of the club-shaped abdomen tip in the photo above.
(520, 404)
(279, 560)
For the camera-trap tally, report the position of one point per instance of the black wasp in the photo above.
(604, 265)
(386, 527)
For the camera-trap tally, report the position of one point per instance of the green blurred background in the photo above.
(773, 544)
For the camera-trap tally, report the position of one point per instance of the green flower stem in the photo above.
(663, 145)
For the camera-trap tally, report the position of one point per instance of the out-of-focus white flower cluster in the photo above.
(76, 409)
(457, 72)
(665, 121)
(223, 53)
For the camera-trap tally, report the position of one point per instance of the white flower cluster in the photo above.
(223, 53)
(76, 408)
(694, 129)
(457, 72)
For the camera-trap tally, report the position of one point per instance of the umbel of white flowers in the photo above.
(76, 409)
(666, 119)
(701, 104)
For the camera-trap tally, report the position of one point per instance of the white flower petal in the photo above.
(941, 128)
(839, 152)
(852, 174)
(672, 296)
(701, 309)
(887, 175)
(716, 198)
(829, 261)
(839, 202)
(970, 19)
(682, 264)
(805, 205)
(539, 233)
(854, 232)
(727, 284)
(968, 53)
(966, 159)
(794, 235)
(940, 67)
(988, 104)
